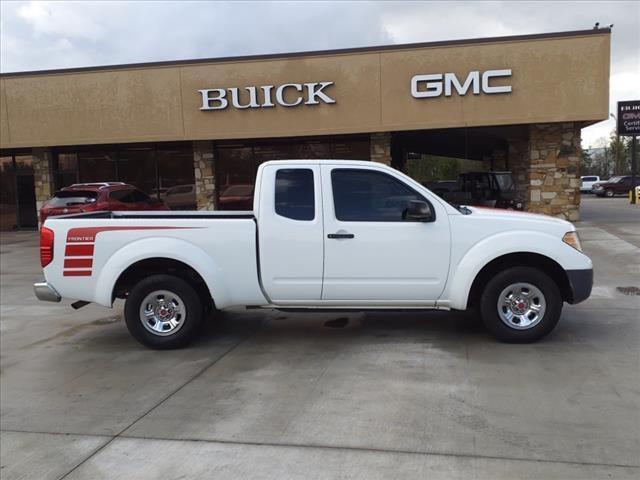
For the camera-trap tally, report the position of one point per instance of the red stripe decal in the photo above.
(88, 234)
(78, 251)
(76, 273)
(78, 263)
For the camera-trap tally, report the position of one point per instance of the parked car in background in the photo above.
(587, 181)
(181, 197)
(236, 197)
(92, 197)
(620, 185)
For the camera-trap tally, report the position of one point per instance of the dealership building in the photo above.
(510, 103)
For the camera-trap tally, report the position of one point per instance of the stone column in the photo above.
(203, 166)
(554, 152)
(518, 161)
(381, 148)
(42, 176)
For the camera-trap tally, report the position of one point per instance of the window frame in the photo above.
(386, 174)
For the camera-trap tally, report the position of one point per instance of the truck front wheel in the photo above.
(520, 305)
(163, 312)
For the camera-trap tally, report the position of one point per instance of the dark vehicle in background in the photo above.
(484, 189)
(92, 197)
(236, 197)
(443, 187)
(620, 185)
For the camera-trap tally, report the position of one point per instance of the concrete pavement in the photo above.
(273, 395)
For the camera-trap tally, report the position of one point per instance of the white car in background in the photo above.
(181, 197)
(587, 182)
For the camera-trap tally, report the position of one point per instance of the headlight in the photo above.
(571, 238)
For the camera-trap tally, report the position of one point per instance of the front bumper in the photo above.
(46, 292)
(580, 282)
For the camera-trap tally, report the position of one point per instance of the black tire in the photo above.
(500, 282)
(189, 303)
(609, 193)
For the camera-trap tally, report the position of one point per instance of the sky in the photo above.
(37, 35)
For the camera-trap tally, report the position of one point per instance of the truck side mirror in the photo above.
(419, 211)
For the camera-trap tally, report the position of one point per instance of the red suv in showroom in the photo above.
(92, 197)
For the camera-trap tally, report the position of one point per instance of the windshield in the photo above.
(615, 179)
(505, 182)
(70, 198)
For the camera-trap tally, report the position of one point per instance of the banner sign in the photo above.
(629, 118)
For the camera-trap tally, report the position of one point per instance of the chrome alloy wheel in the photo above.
(521, 306)
(162, 313)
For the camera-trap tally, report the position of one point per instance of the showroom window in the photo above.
(237, 164)
(154, 169)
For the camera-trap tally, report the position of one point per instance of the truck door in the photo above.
(372, 255)
(290, 233)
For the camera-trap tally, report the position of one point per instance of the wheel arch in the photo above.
(162, 265)
(156, 255)
(520, 259)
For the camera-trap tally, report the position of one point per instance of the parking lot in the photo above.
(266, 394)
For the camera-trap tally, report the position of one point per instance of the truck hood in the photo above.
(528, 220)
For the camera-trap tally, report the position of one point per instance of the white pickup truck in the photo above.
(322, 235)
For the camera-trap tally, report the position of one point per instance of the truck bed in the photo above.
(92, 250)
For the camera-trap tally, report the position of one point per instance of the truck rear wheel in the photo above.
(520, 305)
(163, 312)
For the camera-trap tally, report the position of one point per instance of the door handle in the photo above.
(341, 235)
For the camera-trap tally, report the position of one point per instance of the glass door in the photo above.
(18, 207)
(8, 200)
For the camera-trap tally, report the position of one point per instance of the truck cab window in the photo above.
(295, 196)
(370, 196)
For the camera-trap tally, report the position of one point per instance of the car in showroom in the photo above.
(181, 197)
(619, 185)
(101, 196)
(587, 182)
(482, 189)
(236, 197)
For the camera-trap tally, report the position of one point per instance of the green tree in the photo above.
(619, 148)
(587, 163)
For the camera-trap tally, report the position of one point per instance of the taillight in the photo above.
(46, 246)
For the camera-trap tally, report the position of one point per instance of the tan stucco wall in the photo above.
(557, 79)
